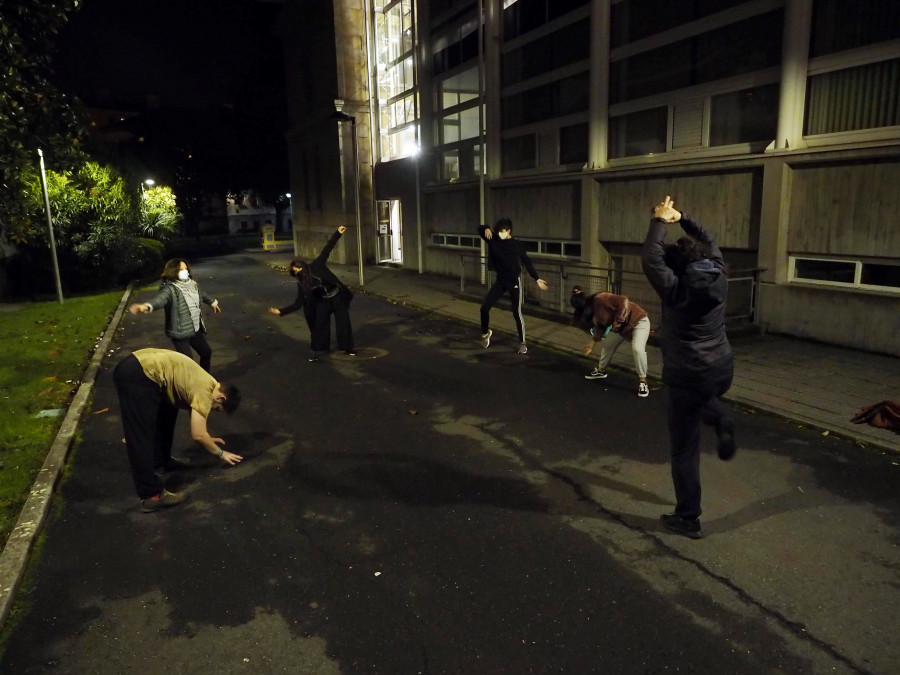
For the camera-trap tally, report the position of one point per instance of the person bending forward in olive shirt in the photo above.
(152, 385)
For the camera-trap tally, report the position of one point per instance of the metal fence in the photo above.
(562, 276)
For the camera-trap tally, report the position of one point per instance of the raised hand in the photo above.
(666, 210)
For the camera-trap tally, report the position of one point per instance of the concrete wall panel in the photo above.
(727, 203)
(846, 318)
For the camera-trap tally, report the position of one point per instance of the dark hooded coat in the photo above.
(694, 345)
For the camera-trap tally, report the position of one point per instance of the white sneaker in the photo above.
(595, 375)
(523, 348)
(643, 390)
(486, 339)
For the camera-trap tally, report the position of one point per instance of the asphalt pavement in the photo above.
(432, 507)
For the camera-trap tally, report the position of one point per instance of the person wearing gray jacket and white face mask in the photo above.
(181, 298)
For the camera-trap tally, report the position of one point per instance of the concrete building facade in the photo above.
(775, 122)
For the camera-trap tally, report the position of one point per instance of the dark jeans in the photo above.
(688, 406)
(148, 419)
(320, 335)
(502, 285)
(200, 345)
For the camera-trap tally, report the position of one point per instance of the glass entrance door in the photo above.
(390, 240)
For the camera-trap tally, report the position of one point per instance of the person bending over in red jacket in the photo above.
(612, 319)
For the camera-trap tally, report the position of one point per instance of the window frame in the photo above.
(858, 262)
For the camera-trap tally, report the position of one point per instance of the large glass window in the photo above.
(522, 16)
(454, 46)
(640, 133)
(519, 153)
(396, 78)
(458, 89)
(563, 97)
(743, 47)
(744, 116)
(839, 25)
(567, 45)
(573, 144)
(633, 20)
(865, 97)
(456, 123)
(458, 126)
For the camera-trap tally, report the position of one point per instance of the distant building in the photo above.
(248, 213)
(777, 122)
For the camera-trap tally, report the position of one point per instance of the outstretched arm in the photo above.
(293, 307)
(329, 247)
(523, 256)
(200, 434)
(212, 302)
(162, 298)
(663, 279)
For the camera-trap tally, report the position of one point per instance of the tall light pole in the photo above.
(341, 116)
(290, 208)
(59, 294)
(418, 159)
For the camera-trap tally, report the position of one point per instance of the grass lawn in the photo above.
(44, 350)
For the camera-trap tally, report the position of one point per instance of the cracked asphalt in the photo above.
(431, 507)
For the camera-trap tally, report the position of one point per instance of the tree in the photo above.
(159, 214)
(94, 221)
(33, 113)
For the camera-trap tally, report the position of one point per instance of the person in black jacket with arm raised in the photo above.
(690, 279)
(506, 257)
(320, 294)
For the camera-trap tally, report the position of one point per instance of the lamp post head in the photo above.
(150, 181)
(287, 194)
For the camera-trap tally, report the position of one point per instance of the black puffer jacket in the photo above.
(694, 343)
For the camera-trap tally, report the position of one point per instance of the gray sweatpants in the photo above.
(639, 335)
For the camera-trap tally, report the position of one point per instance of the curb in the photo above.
(14, 558)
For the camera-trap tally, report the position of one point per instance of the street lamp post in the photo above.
(290, 208)
(56, 276)
(341, 116)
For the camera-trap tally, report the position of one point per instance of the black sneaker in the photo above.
(350, 352)
(683, 526)
(162, 500)
(727, 447)
(313, 358)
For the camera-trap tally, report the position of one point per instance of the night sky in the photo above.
(189, 53)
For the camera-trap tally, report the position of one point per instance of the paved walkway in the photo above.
(815, 384)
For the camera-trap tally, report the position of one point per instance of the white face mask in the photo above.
(504, 234)
(184, 275)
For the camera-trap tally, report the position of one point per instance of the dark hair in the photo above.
(583, 314)
(305, 277)
(504, 224)
(683, 252)
(170, 271)
(232, 397)
(578, 299)
(297, 262)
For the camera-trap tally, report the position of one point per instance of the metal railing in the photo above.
(562, 276)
